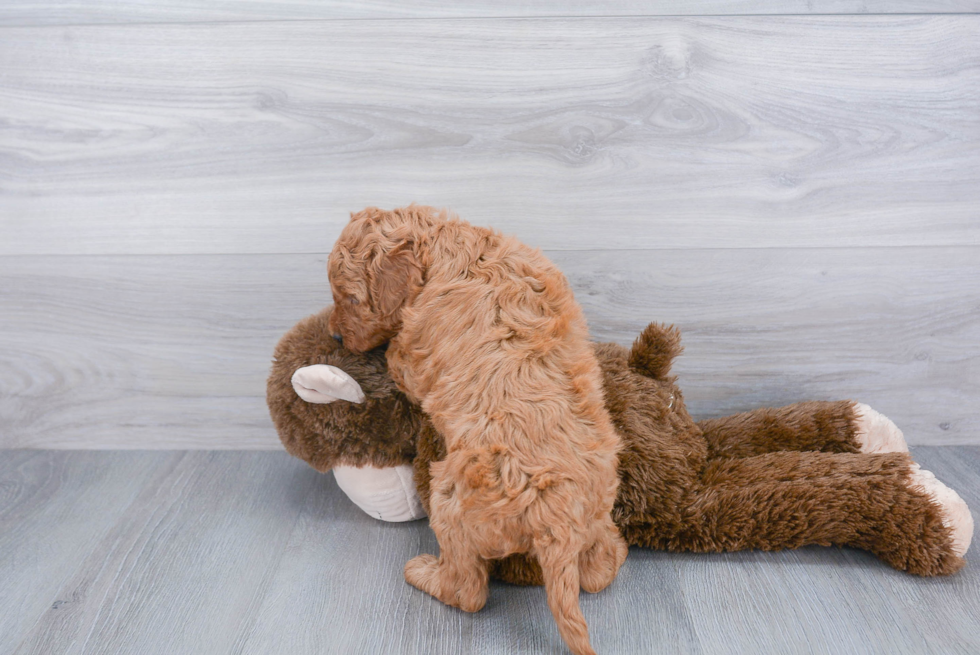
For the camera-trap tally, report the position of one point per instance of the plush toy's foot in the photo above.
(956, 515)
(875, 432)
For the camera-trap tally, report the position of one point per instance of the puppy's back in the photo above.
(505, 346)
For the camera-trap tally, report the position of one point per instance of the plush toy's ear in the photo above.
(323, 384)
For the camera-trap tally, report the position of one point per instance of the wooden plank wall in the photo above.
(88, 12)
(799, 193)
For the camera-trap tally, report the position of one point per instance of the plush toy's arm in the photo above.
(830, 427)
(430, 447)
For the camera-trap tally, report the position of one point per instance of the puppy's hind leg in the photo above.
(559, 564)
(459, 576)
(599, 564)
(458, 582)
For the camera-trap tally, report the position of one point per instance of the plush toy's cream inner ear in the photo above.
(323, 384)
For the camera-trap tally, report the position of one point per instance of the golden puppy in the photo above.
(486, 335)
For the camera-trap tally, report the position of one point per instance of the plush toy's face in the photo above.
(333, 406)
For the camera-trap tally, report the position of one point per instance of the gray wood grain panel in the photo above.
(173, 351)
(78, 12)
(897, 328)
(618, 133)
(55, 510)
(257, 553)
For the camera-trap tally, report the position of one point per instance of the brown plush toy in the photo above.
(827, 473)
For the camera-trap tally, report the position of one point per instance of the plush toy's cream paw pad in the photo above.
(384, 493)
(325, 384)
(876, 433)
(956, 515)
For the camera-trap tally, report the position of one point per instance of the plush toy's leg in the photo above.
(519, 569)
(832, 427)
(881, 503)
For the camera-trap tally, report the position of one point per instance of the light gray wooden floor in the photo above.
(254, 552)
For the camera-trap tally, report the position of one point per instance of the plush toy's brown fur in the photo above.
(382, 431)
(768, 479)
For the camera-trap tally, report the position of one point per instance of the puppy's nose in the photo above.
(339, 338)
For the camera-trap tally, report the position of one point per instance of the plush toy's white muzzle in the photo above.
(384, 493)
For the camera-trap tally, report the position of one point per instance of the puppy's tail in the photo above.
(561, 582)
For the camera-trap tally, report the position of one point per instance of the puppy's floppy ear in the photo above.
(397, 278)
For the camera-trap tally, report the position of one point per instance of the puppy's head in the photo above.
(375, 271)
